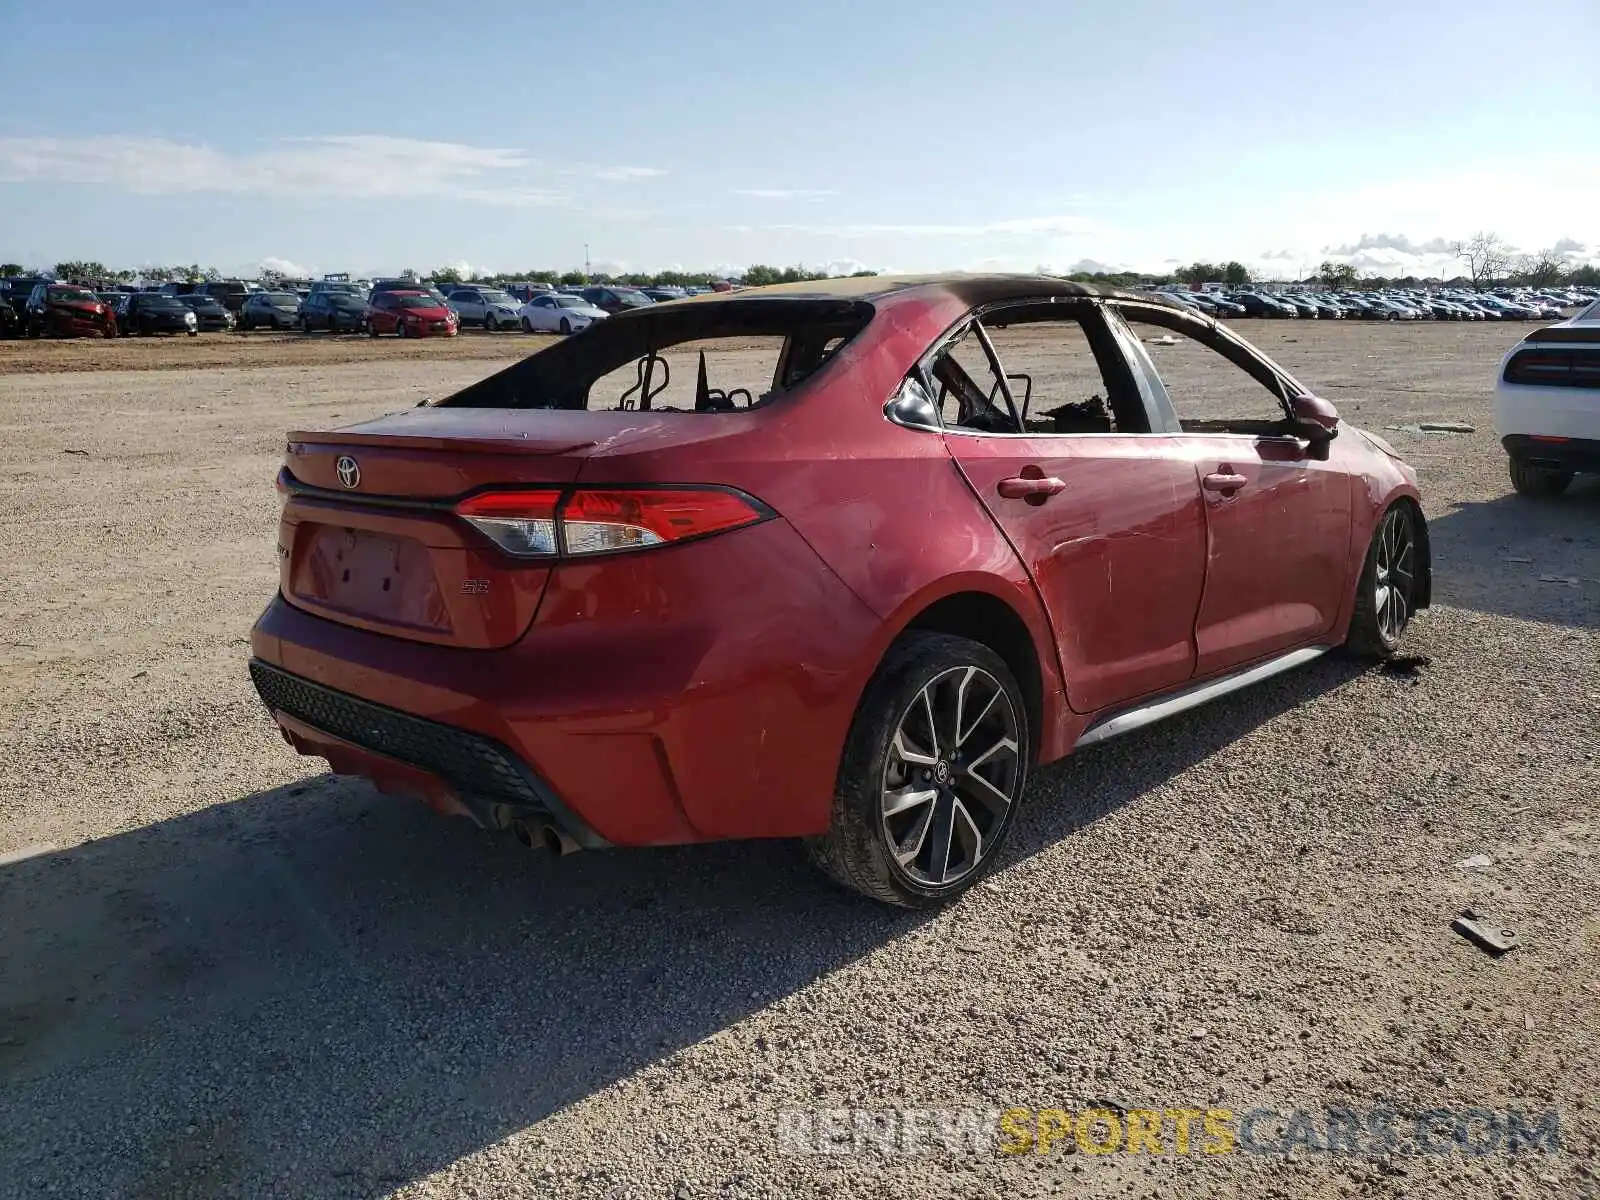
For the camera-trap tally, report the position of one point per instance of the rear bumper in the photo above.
(683, 695)
(455, 771)
(1568, 454)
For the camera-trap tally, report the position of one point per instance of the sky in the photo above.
(895, 135)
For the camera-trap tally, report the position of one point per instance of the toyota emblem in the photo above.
(349, 474)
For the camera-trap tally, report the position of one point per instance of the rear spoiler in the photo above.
(1586, 332)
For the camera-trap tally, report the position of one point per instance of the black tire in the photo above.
(527, 326)
(372, 330)
(858, 850)
(305, 325)
(194, 333)
(400, 329)
(1394, 560)
(1538, 481)
(566, 327)
(491, 324)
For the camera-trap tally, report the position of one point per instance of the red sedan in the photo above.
(63, 310)
(410, 314)
(839, 561)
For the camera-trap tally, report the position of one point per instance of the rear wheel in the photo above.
(1538, 481)
(1387, 593)
(400, 329)
(372, 330)
(932, 773)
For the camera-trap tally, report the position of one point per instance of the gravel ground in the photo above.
(226, 973)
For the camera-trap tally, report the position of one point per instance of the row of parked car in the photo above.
(38, 307)
(409, 308)
(1505, 304)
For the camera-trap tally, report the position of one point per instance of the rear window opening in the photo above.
(708, 357)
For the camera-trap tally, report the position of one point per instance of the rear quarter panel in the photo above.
(884, 507)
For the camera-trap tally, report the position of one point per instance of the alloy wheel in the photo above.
(952, 774)
(1394, 574)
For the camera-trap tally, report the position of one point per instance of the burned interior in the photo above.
(656, 360)
(1062, 365)
(990, 376)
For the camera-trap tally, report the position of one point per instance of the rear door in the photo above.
(1277, 520)
(1106, 516)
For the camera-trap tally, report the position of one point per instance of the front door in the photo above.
(1277, 520)
(1106, 516)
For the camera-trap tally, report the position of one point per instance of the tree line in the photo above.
(1485, 257)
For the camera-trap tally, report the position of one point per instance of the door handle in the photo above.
(1223, 481)
(1020, 487)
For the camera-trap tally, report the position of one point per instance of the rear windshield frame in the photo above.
(560, 376)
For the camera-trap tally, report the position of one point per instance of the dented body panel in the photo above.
(705, 690)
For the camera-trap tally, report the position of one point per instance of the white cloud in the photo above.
(1015, 227)
(1091, 266)
(621, 174)
(283, 266)
(785, 193)
(362, 165)
(844, 266)
(1394, 241)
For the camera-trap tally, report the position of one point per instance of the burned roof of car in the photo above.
(972, 289)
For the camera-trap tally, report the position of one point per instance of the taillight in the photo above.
(545, 523)
(520, 523)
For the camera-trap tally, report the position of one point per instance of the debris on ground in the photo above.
(1407, 666)
(1569, 580)
(1476, 862)
(1434, 427)
(1485, 932)
(85, 453)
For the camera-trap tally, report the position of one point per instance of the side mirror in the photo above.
(1316, 421)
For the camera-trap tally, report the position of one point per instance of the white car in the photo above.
(557, 313)
(1547, 405)
(489, 307)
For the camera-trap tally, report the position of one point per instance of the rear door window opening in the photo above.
(702, 358)
(1037, 368)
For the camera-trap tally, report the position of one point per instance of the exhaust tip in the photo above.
(557, 841)
(544, 837)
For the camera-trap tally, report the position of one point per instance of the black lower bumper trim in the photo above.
(485, 774)
(1572, 454)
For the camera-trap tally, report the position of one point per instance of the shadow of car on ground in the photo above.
(1522, 556)
(318, 989)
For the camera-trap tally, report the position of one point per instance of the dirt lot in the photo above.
(226, 973)
(258, 348)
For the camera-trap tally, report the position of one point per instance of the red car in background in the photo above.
(839, 561)
(64, 310)
(410, 314)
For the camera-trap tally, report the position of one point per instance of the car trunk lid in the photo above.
(368, 536)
